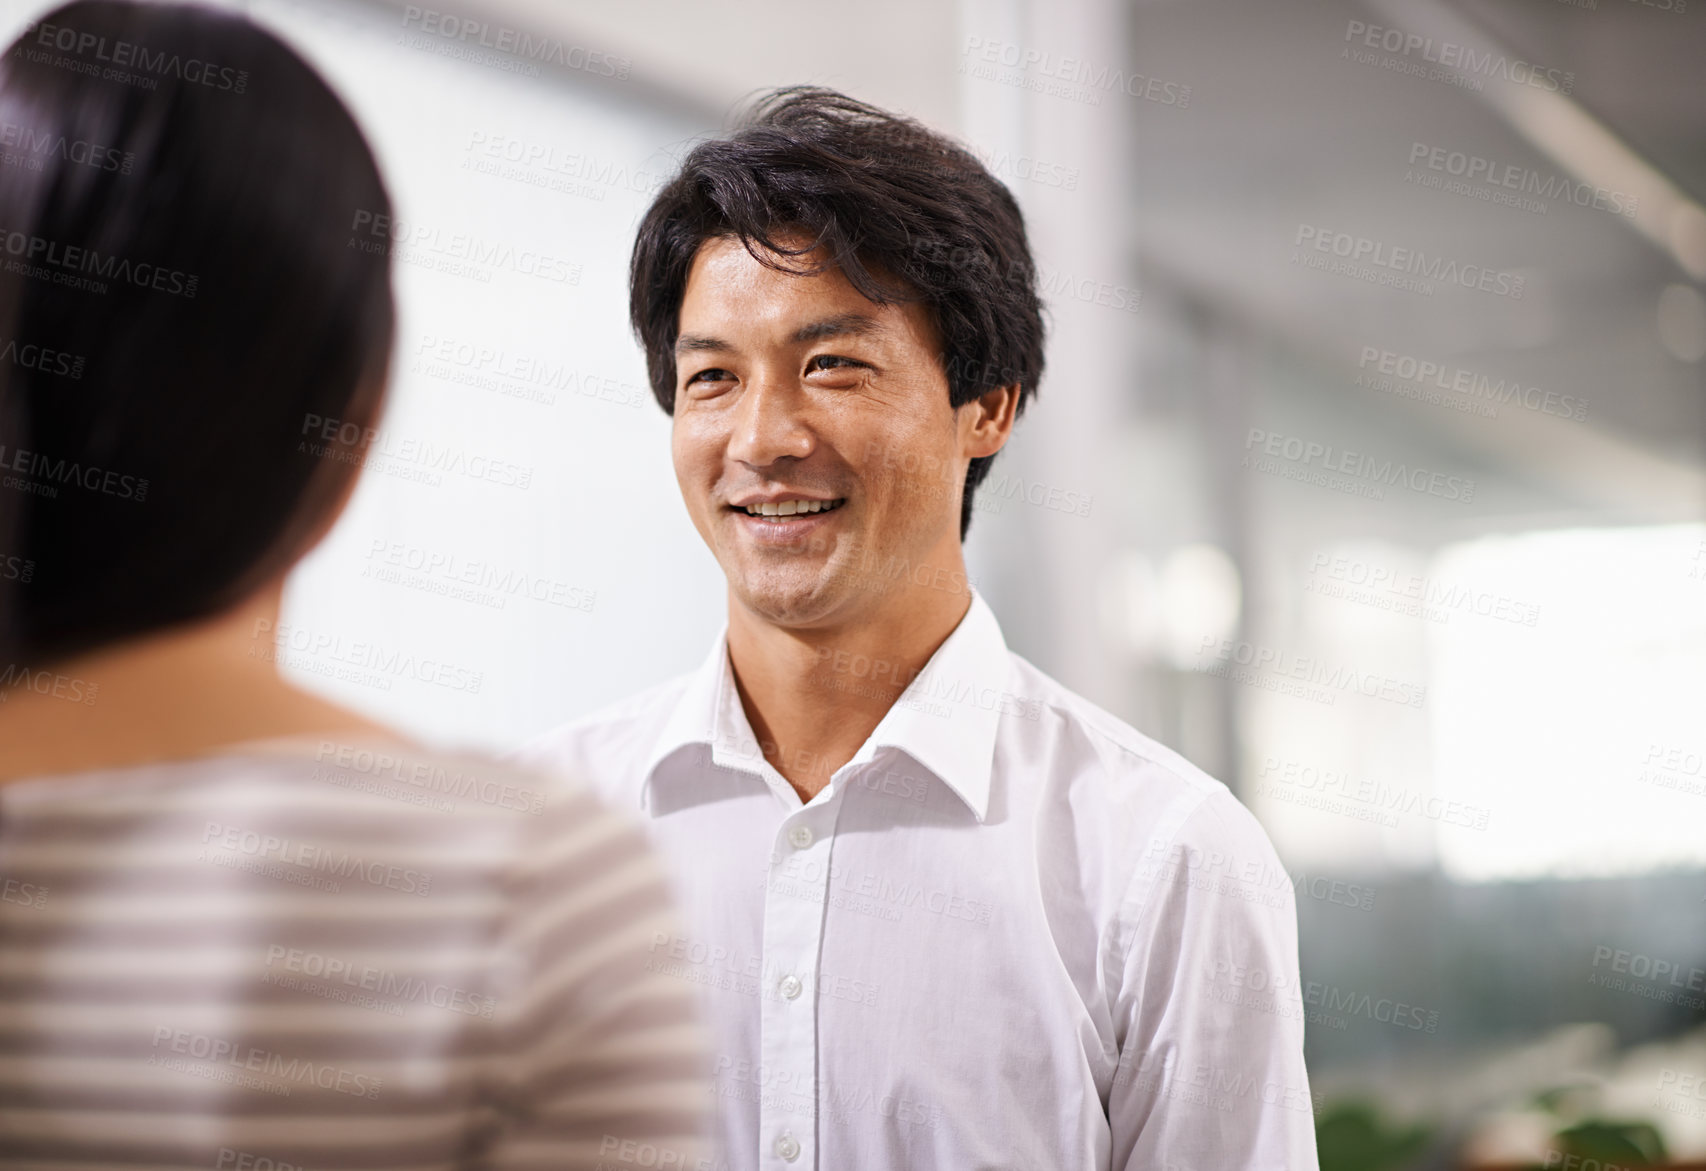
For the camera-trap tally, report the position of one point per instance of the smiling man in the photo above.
(943, 912)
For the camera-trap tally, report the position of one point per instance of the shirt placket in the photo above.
(795, 900)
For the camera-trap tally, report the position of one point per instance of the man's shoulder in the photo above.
(1178, 805)
(605, 748)
(1121, 753)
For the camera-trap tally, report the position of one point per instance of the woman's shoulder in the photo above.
(320, 803)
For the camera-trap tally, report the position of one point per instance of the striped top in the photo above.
(315, 955)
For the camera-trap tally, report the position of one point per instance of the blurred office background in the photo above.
(1376, 390)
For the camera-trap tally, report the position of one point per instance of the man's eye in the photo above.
(831, 362)
(712, 375)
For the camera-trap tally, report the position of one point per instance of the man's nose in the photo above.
(769, 423)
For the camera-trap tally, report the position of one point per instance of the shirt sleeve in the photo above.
(1208, 1011)
(604, 1059)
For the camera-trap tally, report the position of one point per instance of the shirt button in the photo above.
(800, 836)
(791, 988)
(787, 1147)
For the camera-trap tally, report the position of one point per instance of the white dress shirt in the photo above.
(1011, 932)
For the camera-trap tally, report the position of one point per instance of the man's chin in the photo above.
(785, 598)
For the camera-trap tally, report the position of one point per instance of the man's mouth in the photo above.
(785, 508)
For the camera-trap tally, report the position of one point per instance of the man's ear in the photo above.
(987, 421)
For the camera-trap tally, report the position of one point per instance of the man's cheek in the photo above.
(697, 473)
(917, 472)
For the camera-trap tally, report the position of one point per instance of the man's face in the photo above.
(798, 395)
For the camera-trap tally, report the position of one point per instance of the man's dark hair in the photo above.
(905, 213)
(189, 291)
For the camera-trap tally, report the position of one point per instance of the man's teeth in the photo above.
(791, 507)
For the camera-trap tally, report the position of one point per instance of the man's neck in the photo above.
(814, 696)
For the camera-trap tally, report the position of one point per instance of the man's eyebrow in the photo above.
(692, 342)
(841, 325)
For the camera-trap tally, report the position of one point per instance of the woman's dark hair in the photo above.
(184, 299)
(905, 213)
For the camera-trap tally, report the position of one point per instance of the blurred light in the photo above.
(1167, 614)
(1366, 609)
(1131, 602)
(1581, 733)
(1200, 599)
(1571, 136)
(1533, 321)
(1688, 238)
(1682, 322)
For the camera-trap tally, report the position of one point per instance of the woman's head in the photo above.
(185, 300)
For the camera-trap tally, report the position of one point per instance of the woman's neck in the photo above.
(180, 693)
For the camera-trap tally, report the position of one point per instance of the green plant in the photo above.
(1612, 1142)
(1620, 1142)
(1352, 1135)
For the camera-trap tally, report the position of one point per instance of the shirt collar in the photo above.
(946, 719)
